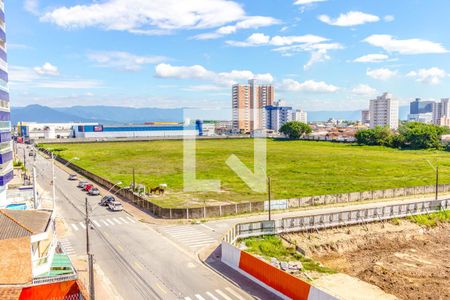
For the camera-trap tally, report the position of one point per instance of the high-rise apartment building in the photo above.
(384, 111)
(300, 116)
(441, 110)
(277, 115)
(6, 155)
(365, 116)
(248, 102)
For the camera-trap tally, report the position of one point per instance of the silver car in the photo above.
(94, 191)
(115, 206)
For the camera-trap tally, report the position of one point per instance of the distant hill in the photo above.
(100, 114)
(123, 115)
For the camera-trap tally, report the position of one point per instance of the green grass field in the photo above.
(297, 168)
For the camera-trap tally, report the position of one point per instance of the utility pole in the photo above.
(90, 256)
(437, 181)
(134, 182)
(269, 198)
(35, 198)
(53, 182)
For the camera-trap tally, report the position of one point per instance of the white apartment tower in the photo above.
(384, 111)
(248, 102)
(441, 112)
(300, 116)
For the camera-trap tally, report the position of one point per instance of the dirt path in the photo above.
(405, 260)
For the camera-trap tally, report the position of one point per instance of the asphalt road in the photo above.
(140, 260)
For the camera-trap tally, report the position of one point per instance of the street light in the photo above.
(437, 176)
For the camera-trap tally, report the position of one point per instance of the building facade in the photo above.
(441, 110)
(365, 116)
(277, 115)
(6, 155)
(384, 111)
(300, 116)
(421, 111)
(248, 102)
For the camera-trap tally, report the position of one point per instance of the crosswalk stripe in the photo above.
(96, 223)
(131, 220)
(199, 297)
(110, 222)
(199, 244)
(82, 225)
(104, 222)
(234, 293)
(117, 221)
(187, 298)
(187, 234)
(74, 227)
(223, 295)
(212, 296)
(123, 220)
(195, 238)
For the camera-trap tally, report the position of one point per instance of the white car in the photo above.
(115, 206)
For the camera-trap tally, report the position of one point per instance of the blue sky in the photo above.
(320, 54)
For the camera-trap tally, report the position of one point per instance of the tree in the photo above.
(378, 136)
(421, 136)
(295, 129)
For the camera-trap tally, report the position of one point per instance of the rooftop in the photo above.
(21, 223)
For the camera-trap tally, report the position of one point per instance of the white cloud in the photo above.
(31, 6)
(364, 90)
(24, 77)
(409, 46)
(352, 18)
(306, 2)
(381, 74)
(47, 69)
(259, 39)
(123, 60)
(158, 17)
(431, 76)
(251, 22)
(389, 18)
(372, 58)
(199, 72)
(307, 86)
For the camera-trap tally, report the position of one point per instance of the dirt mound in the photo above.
(405, 260)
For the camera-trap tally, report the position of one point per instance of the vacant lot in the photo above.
(297, 168)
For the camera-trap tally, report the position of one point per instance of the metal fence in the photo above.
(335, 219)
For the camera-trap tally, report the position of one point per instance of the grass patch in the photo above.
(395, 221)
(433, 219)
(296, 168)
(272, 246)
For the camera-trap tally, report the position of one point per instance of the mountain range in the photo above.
(124, 115)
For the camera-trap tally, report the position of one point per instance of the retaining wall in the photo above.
(248, 207)
(275, 280)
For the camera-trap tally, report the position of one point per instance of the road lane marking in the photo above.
(74, 227)
(123, 220)
(207, 227)
(120, 247)
(212, 296)
(96, 223)
(161, 288)
(82, 225)
(232, 292)
(187, 298)
(110, 222)
(131, 220)
(104, 222)
(199, 297)
(138, 265)
(117, 221)
(223, 295)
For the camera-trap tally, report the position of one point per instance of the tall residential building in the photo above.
(365, 116)
(421, 111)
(277, 115)
(384, 111)
(300, 116)
(6, 155)
(248, 102)
(441, 110)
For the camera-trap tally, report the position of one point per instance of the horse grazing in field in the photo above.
(158, 190)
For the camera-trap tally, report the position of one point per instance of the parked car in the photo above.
(82, 183)
(87, 187)
(73, 177)
(107, 199)
(94, 191)
(115, 206)
(31, 153)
